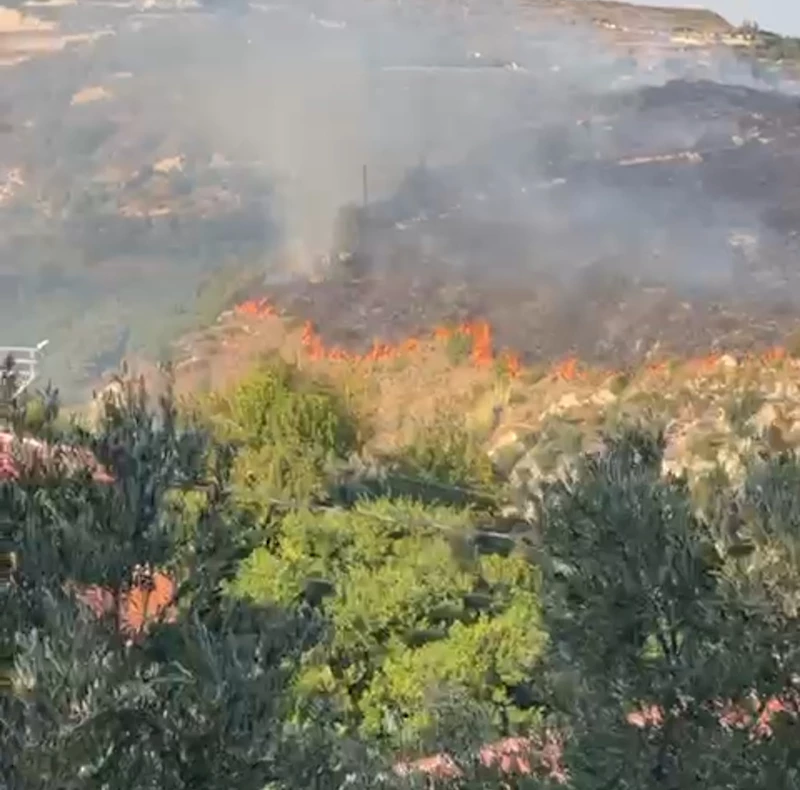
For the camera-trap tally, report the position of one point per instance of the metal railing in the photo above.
(26, 360)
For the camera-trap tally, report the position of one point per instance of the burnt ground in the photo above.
(600, 319)
(533, 223)
(593, 238)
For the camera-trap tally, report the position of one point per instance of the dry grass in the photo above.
(394, 395)
(399, 390)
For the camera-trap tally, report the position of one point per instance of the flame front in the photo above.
(482, 349)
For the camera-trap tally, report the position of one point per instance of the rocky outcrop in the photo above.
(717, 416)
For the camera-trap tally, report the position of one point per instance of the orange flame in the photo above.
(482, 353)
(657, 368)
(774, 355)
(480, 333)
(568, 369)
(704, 364)
(512, 364)
(312, 342)
(443, 333)
(256, 308)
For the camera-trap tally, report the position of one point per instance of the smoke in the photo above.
(497, 99)
(489, 137)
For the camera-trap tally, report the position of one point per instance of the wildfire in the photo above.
(512, 363)
(567, 370)
(312, 342)
(479, 332)
(658, 368)
(256, 308)
(704, 364)
(774, 355)
(482, 348)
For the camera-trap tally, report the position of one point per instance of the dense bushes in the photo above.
(288, 428)
(409, 616)
(310, 641)
(196, 700)
(446, 452)
(659, 615)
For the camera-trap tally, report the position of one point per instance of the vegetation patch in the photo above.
(404, 626)
(445, 451)
(288, 428)
(247, 580)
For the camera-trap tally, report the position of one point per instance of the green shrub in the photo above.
(200, 696)
(446, 451)
(288, 427)
(400, 600)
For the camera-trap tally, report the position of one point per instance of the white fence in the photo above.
(26, 360)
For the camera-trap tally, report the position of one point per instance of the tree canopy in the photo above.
(292, 630)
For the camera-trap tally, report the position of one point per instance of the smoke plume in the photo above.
(153, 150)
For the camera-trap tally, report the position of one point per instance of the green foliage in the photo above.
(94, 533)
(760, 535)
(620, 529)
(38, 413)
(288, 429)
(485, 658)
(559, 439)
(191, 707)
(275, 405)
(447, 452)
(199, 701)
(399, 600)
(642, 612)
(308, 643)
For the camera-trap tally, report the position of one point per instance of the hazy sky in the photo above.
(781, 16)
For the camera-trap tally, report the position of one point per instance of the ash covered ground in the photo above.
(587, 188)
(618, 249)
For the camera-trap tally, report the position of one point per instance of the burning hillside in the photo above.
(530, 470)
(568, 173)
(715, 408)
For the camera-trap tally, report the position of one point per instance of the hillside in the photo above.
(352, 568)
(446, 362)
(140, 193)
(719, 407)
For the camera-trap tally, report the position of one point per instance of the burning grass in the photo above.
(397, 386)
(477, 335)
